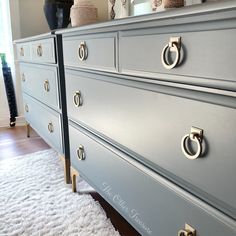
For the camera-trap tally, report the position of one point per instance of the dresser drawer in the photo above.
(43, 50)
(204, 54)
(94, 52)
(139, 194)
(41, 83)
(23, 51)
(45, 121)
(150, 126)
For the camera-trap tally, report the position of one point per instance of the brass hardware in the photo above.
(174, 45)
(46, 85)
(39, 50)
(188, 231)
(77, 99)
(50, 127)
(80, 153)
(73, 173)
(26, 108)
(66, 165)
(82, 51)
(27, 129)
(196, 135)
(22, 52)
(23, 77)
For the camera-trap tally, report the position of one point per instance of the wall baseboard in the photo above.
(20, 121)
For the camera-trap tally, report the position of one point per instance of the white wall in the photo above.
(32, 19)
(4, 111)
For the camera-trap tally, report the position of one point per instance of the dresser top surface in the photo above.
(195, 13)
(36, 37)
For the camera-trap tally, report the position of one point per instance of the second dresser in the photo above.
(42, 80)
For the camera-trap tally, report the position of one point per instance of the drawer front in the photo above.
(43, 50)
(41, 83)
(204, 54)
(151, 204)
(45, 121)
(150, 126)
(23, 51)
(95, 52)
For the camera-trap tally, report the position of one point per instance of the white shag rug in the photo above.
(34, 200)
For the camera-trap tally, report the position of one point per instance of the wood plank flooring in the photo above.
(13, 142)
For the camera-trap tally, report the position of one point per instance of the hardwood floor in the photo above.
(14, 142)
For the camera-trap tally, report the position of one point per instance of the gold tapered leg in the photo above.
(66, 165)
(27, 129)
(74, 173)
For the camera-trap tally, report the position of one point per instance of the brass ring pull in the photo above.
(184, 232)
(39, 50)
(46, 85)
(26, 108)
(77, 99)
(196, 135)
(80, 153)
(175, 46)
(188, 231)
(82, 51)
(22, 52)
(50, 127)
(23, 77)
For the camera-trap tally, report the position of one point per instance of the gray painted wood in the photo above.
(146, 120)
(34, 77)
(199, 25)
(205, 94)
(151, 125)
(52, 104)
(35, 37)
(151, 204)
(39, 116)
(48, 50)
(204, 54)
(101, 52)
(23, 51)
(30, 46)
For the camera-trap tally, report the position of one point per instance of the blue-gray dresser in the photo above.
(42, 82)
(151, 108)
(144, 109)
